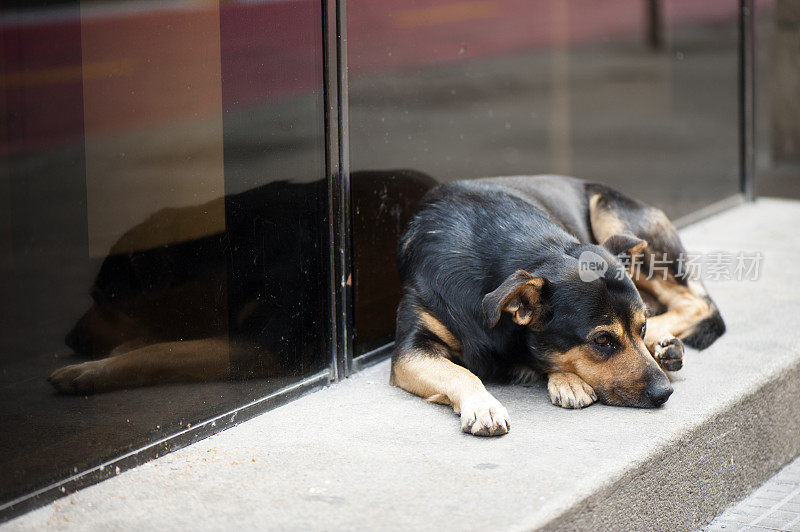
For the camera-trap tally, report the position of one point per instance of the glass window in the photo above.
(639, 95)
(777, 26)
(163, 221)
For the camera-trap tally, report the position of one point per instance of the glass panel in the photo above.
(778, 105)
(162, 221)
(640, 95)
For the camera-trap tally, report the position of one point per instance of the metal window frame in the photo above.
(747, 100)
(337, 170)
(338, 175)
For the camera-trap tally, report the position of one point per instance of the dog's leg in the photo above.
(438, 380)
(422, 364)
(187, 361)
(685, 310)
(688, 313)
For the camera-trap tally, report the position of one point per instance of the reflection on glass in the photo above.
(382, 203)
(778, 105)
(640, 95)
(162, 221)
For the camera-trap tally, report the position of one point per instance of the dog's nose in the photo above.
(658, 393)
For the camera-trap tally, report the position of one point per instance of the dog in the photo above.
(493, 287)
(246, 302)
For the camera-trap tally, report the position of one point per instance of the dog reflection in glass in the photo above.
(248, 301)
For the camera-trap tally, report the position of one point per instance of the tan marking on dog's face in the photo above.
(617, 379)
(614, 328)
(439, 330)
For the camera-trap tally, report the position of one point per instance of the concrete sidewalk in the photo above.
(361, 454)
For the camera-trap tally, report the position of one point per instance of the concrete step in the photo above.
(364, 455)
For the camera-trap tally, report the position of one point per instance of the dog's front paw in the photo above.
(668, 352)
(78, 378)
(483, 415)
(567, 390)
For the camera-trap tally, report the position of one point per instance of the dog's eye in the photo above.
(603, 340)
(644, 329)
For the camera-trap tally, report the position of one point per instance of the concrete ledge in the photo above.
(694, 478)
(362, 454)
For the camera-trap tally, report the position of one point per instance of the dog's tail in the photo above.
(707, 330)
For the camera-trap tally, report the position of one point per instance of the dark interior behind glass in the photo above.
(639, 95)
(162, 190)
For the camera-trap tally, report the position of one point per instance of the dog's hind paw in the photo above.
(668, 352)
(77, 379)
(567, 390)
(483, 415)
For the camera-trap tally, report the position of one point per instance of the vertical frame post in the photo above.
(337, 165)
(654, 25)
(747, 99)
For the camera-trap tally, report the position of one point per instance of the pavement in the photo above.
(773, 506)
(364, 455)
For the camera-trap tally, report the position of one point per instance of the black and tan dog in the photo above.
(493, 288)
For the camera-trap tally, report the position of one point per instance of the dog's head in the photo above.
(587, 320)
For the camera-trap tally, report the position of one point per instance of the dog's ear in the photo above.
(624, 243)
(523, 296)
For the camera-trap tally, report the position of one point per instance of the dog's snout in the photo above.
(658, 392)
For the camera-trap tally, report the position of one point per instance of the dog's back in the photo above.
(563, 199)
